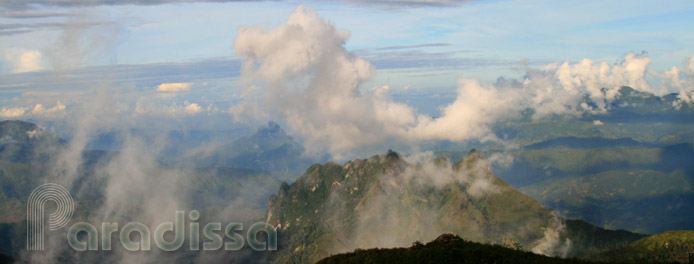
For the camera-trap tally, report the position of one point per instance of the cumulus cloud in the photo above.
(146, 106)
(681, 78)
(477, 105)
(174, 87)
(12, 112)
(599, 81)
(24, 60)
(193, 108)
(38, 110)
(301, 73)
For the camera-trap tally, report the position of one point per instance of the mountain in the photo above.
(586, 143)
(447, 248)
(27, 162)
(640, 116)
(23, 141)
(666, 247)
(389, 201)
(648, 189)
(588, 240)
(636, 106)
(269, 149)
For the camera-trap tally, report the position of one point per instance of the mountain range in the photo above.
(572, 185)
(387, 201)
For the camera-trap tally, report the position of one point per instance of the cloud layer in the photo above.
(300, 72)
(19, 4)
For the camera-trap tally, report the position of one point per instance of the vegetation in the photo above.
(588, 240)
(22, 169)
(623, 188)
(667, 247)
(447, 248)
(385, 201)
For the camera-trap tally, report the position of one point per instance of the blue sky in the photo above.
(500, 30)
(55, 54)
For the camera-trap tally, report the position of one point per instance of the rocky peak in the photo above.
(447, 238)
(392, 154)
(474, 154)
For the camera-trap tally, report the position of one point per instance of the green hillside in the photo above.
(670, 247)
(385, 201)
(659, 240)
(623, 187)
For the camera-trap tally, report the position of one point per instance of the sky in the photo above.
(189, 64)
(497, 32)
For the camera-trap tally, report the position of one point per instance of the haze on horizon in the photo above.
(417, 71)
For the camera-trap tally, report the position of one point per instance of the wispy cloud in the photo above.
(410, 3)
(21, 4)
(174, 87)
(37, 111)
(17, 28)
(403, 59)
(33, 14)
(151, 75)
(414, 46)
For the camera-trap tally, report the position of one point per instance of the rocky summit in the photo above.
(391, 201)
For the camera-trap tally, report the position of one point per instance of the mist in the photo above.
(301, 73)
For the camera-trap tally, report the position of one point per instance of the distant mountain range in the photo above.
(627, 168)
(269, 149)
(639, 187)
(640, 116)
(23, 142)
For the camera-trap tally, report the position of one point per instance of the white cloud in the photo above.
(476, 106)
(12, 112)
(38, 109)
(300, 72)
(681, 78)
(24, 60)
(148, 106)
(598, 123)
(193, 108)
(174, 87)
